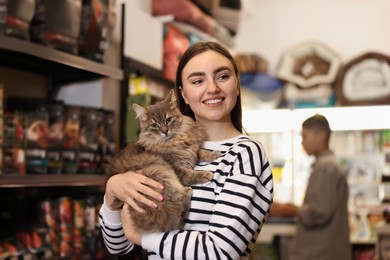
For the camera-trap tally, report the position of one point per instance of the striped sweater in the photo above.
(225, 216)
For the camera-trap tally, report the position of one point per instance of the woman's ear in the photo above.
(183, 95)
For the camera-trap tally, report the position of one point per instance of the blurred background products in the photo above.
(57, 24)
(19, 14)
(96, 28)
(44, 136)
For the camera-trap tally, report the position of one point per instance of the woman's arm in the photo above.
(124, 188)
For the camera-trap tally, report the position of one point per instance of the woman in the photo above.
(227, 213)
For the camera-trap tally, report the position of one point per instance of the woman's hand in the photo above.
(133, 234)
(131, 187)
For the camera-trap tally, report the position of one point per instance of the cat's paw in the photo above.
(206, 176)
(209, 156)
(215, 155)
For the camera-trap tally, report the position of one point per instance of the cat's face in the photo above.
(161, 121)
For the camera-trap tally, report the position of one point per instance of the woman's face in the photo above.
(210, 86)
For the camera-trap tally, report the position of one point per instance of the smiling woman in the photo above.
(210, 88)
(226, 213)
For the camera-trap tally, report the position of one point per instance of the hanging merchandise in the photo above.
(365, 80)
(307, 66)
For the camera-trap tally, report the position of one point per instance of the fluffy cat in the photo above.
(167, 149)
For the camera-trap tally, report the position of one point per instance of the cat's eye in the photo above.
(155, 125)
(168, 120)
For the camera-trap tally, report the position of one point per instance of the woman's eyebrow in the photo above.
(199, 73)
(195, 74)
(221, 69)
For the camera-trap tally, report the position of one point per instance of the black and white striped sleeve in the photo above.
(112, 232)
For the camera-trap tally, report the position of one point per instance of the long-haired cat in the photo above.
(167, 149)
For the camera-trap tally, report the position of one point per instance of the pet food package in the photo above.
(57, 24)
(105, 140)
(1, 125)
(70, 139)
(97, 25)
(19, 14)
(37, 133)
(3, 15)
(56, 121)
(14, 144)
(90, 121)
(66, 226)
(50, 215)
(78, 227)
(107, 143)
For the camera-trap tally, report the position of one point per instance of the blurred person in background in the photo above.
(322, 220)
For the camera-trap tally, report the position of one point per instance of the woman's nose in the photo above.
(213, 87)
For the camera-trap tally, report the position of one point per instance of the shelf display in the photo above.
(21, 194)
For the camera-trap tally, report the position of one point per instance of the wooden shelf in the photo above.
(51, 180)
(63, 67)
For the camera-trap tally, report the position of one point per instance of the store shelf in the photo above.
(63, 67)
(54, 180)
(137, 67)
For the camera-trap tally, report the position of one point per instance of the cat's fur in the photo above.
(167, 150)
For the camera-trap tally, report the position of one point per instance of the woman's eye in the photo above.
(197, 82)
(223, 77)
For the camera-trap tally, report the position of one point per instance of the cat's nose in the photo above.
(164, 131)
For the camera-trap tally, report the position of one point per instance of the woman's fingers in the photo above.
(133, 188)
(142, 189)
(148, 187)
(130, 202)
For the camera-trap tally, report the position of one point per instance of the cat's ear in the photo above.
(140, 111)
(171, 97)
